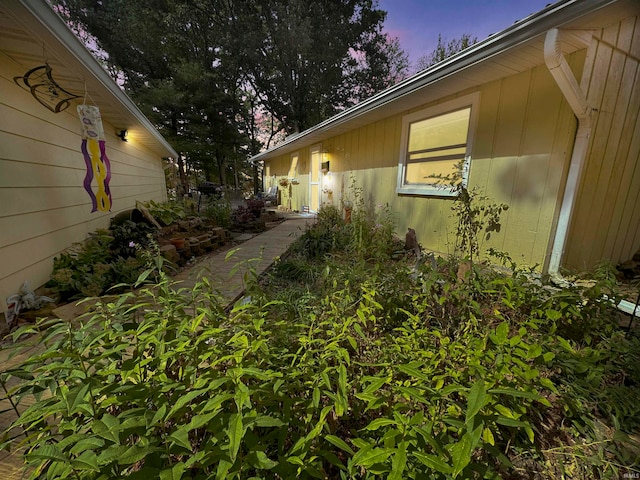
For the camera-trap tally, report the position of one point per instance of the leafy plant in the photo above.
(106, 258)
(167, 212)
(127, 236)
(219, 212)
(337, 366)
(477, 219)
(84, 270)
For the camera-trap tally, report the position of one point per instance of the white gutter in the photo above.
(576, 98)
(552, 16)
(52, 22)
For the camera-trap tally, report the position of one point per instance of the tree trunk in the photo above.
(182, 184)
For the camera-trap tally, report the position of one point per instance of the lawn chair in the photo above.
(270, 197)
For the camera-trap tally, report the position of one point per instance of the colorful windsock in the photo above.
(95, 158)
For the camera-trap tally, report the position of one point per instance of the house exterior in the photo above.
(544, 117)
(44, 205)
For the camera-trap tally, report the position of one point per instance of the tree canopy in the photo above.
(206, 71)
(444, 50)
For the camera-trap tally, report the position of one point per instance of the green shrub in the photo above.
(106, 258)
(345, 368)
(84, 270)
(219, 212)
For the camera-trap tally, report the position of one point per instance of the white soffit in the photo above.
(32, 33)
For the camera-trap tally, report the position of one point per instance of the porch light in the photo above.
(122, 134)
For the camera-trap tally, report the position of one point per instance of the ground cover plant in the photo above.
(352, 359)
(116, 256)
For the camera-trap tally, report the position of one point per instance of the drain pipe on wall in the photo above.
(561, 72)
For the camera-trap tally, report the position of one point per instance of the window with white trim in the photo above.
(435, 142)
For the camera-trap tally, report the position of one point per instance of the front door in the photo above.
(314, 177)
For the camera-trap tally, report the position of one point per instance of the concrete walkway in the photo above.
(258, 253)
(227, 275)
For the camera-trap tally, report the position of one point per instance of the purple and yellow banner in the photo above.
(95, 158)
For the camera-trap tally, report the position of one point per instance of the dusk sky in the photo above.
(417, 23)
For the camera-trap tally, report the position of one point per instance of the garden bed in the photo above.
(111, 259)
(351, 359)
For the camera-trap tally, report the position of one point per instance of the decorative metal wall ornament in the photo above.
(95, 157)
(39, 81)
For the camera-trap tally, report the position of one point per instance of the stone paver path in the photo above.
(258, 253)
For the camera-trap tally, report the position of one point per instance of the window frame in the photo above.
(435, 190)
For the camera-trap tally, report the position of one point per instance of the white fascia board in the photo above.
(50, 20)
(520, 32)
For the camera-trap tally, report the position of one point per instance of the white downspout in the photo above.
(576, 98)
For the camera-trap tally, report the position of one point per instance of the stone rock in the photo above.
(219, 235)
(411, 241)
(197, 248)
(170, 253)
(630, 269)
(244, 237)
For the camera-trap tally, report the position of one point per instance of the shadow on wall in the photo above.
(528, 179)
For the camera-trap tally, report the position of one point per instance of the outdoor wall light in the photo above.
(122, 134)
(325, 167)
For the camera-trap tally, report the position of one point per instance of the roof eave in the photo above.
(539, 23)
(58, 28)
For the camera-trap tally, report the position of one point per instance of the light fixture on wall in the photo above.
(325, 167)
(122, 134)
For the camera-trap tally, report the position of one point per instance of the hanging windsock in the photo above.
(95, 157)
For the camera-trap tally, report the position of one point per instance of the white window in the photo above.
(435, 142)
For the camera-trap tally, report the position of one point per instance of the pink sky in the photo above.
(417, 23)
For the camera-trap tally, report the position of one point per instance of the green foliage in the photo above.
(219, 212)
(341, 367)
(106, 258)
(328, 234)
(126, 237)
(85, 270)
(477, 219)
(444, 50)
(167, 212)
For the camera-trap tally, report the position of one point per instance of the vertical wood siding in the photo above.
(606, 223)
(520, 157)
(43, 205)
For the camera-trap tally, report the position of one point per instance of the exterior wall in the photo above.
(520, 157)
(43, 205)
(606, 222)
(296, 195)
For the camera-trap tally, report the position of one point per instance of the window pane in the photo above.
(315, 165)
(448, 129)
(424, 172)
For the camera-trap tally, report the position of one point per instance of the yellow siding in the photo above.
(520, 156)
(606, 223)
(43, 205)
